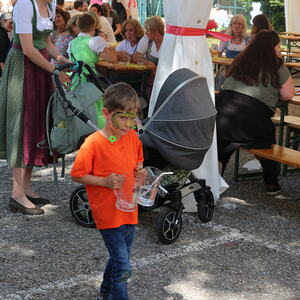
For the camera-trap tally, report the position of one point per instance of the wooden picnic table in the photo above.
(289, 33)
(131, 73)
(292, 41)
(227, 62)
(221, 60)
(124, 67)
(295, 100)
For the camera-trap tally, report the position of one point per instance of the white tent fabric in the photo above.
(292, 15)
(189, 52)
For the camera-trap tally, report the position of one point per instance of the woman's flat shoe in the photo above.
(39, 200)
(17, 207)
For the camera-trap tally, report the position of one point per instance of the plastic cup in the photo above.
(127, 194)
(148, 191)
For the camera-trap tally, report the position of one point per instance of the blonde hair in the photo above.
(139, 31)
(241, 18)
(121, 96)
(71, 22)
(155, 23)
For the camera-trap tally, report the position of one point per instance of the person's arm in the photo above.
(287, 90)
(112, 181)
(37, 58)
(54, 53)
(99, 46)
(109, 54)
(118, 29)
(221, 48)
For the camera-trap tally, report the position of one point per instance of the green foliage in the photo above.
(274, 9)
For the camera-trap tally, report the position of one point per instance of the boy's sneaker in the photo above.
(273, 189)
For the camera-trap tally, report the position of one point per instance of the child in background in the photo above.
(88, 48)
(100, 163)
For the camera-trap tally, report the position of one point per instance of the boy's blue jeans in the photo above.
(118, 242)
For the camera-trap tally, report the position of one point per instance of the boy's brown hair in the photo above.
(121, 96)
(86, 23)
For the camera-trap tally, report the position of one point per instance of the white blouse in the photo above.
(126, 47)
(23, 14)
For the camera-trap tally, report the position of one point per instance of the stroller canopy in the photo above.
(181, 127)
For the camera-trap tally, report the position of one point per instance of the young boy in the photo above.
(101, 161)
(88, 48)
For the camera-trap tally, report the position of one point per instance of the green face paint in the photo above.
(121, 120)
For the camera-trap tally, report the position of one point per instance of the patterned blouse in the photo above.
(62, 43)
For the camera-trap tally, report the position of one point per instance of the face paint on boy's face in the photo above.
(124, 120)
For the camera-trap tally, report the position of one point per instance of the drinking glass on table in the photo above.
(125, 59)
(140, 59)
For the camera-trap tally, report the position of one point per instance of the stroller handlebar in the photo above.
(71, 66)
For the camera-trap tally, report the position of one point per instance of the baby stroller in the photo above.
(176, 138)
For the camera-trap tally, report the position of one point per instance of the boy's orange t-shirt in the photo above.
(98, 156)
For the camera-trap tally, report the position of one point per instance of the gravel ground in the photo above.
(250, 250)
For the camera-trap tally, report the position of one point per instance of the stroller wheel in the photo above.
(80, 208)
(205, 204)
(168, 226)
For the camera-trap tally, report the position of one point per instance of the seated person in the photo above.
(256, 79)
(237, 29)
(79, 8)
(149, 45)
(132, 32)
(113, 19)
(88, 48)
(72, 27)
(103, 24)
(61, 36)
(98, 32)
(260, 22)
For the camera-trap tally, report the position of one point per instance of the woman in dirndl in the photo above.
(25, 90)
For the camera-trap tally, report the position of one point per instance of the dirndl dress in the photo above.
(24, 94)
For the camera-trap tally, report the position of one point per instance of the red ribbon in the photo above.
(132, 2)
(188, 31)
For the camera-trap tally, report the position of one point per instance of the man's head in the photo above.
(60, 3)
(6, 21)
(78, 5)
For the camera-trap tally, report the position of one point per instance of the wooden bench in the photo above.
(292, 137)
(289, 120)
(280, 154)
(277, 153)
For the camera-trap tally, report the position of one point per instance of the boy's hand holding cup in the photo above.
(114, 181)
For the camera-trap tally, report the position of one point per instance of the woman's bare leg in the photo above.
(19, 181)
(27, 184)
